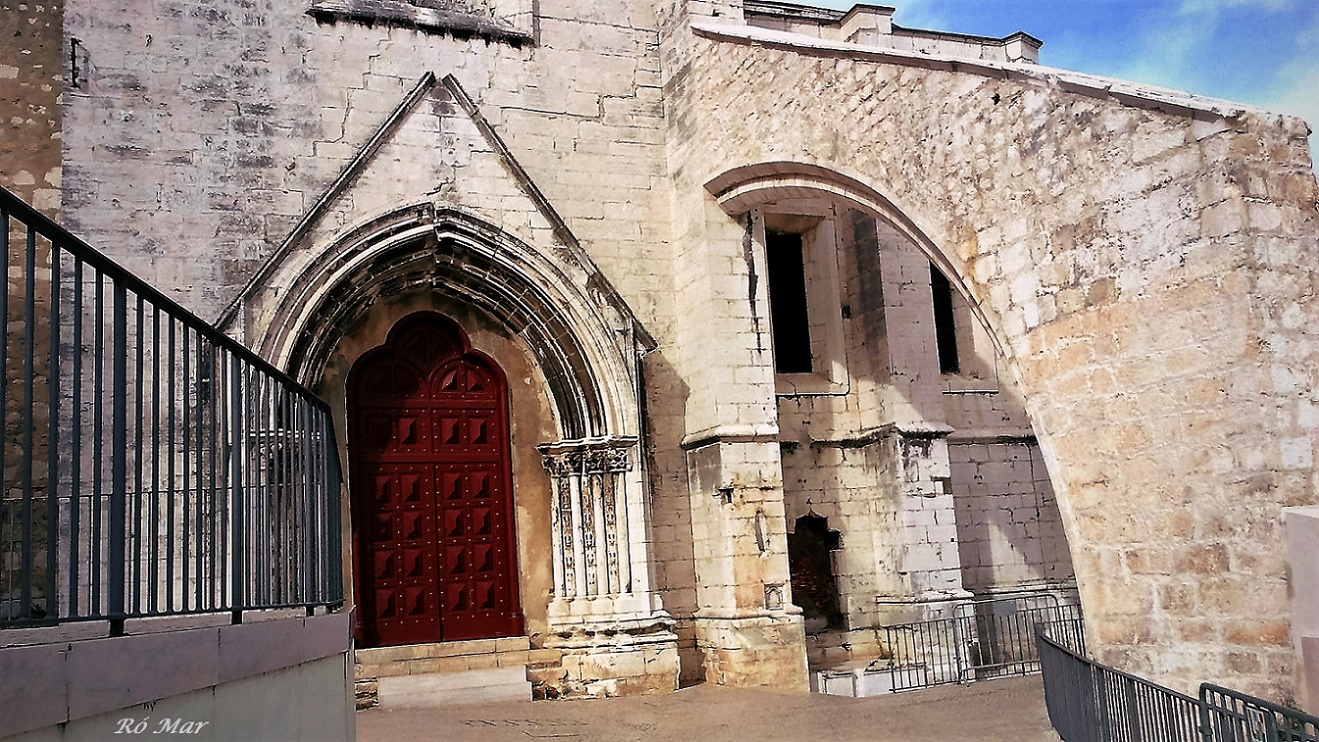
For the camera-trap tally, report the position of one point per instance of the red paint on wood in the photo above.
(432, 490)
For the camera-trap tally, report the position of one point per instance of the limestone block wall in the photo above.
(202, 137)
(747, 629)
(232, 121)
(1008, 528)
(914, 531)
(31, 80)
(1136, 257)
(856, 491)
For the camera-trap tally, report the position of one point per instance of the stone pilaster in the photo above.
(747, 627)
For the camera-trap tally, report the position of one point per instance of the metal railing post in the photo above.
(334, 485)
(237, 504)
(52, 438)
(118, 462)
(29, 372)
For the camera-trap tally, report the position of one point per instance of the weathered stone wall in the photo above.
(1135, 260)
(31, 78)
(202, 137)
(1139, 268)
(930, 477)
(226, 123)
(1009, 531)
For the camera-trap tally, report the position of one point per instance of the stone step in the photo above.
(443, 657)
(500, 684)
(434, 650)
(448, 672)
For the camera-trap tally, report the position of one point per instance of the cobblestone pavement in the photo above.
(1010, 710)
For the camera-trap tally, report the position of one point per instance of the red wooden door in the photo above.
(432, 490)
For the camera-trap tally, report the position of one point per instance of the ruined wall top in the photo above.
(872, 25)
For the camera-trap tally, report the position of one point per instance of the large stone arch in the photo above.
(918, 434)
(1135, 253)
(744, 187)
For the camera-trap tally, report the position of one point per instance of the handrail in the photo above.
(153, 465)
(980, 639)
(48, 228)
(1092, 702)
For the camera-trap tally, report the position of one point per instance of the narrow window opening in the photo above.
(810, 563)
(945, 329)
(787, 302)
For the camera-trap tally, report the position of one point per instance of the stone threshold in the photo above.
(370, 666)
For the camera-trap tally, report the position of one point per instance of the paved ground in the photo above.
(1010, 710)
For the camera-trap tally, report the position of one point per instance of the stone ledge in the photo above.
(1173, 102)
(434, 650)
(431, 19)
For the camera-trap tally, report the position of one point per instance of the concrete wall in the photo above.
(287, 678)
(1303, 559)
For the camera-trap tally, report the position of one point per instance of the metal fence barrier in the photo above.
(982, 639)
(1090, 702)
(152, 465)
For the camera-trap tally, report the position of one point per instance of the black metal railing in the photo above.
(1091, 702)
(152, 465)
(981, 639)
(1232, 716)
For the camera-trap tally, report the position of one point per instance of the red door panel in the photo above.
(432, 490)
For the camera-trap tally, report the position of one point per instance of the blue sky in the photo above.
(1260, 52)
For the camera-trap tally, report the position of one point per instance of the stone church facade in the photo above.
(703, 339)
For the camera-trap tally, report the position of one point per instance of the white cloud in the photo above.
(1169, 41)
(920, 14)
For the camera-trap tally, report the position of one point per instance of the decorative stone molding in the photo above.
(494, 20)
(572, 318)
(614, 634)
(592, 519)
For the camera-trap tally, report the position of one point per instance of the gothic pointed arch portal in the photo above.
(431, 489)
(545, 300)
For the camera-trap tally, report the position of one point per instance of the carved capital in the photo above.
(588, 456)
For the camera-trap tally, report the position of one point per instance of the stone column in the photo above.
(611, 627)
